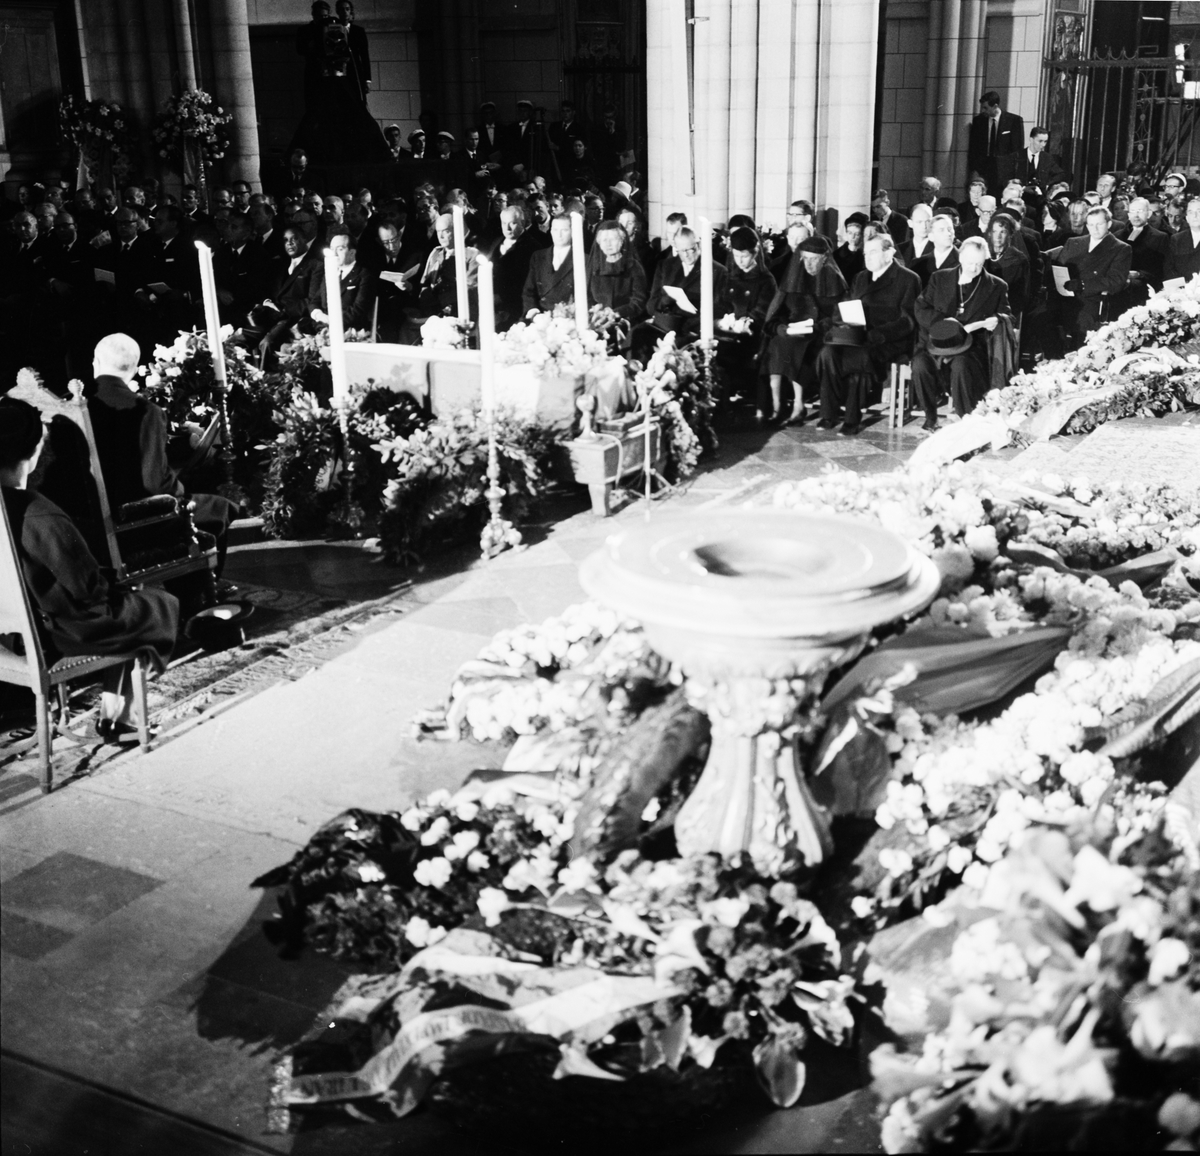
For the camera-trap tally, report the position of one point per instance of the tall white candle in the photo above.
(706, 280)
(579, 265)
(212, 312)
(337, 332)
(487, 336)
(460, 262)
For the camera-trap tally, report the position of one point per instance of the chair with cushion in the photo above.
(148, 542)
(23, 659)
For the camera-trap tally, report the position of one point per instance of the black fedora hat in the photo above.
(846, 335)
(948, 337)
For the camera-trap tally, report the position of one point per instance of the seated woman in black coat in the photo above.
(751, 291)
(81, 612)
(616, 278)
(808, 295)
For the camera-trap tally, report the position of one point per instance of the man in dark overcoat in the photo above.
(974, 299)
(888, 293)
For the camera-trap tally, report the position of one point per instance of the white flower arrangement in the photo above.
(554, 345)
(445, 332)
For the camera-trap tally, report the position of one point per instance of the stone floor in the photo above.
(134, 966)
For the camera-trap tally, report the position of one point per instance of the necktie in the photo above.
(991, 136)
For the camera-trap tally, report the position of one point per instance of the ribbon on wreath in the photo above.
(527, 1006)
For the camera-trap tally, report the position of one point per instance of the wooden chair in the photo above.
(898, 394)
(148, 542)
(29, 669)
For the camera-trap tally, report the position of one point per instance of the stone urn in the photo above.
(757, 607)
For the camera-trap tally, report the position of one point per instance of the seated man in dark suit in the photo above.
(404, 253)
(241, 270)
(551, 278)
(1099, 270)
(1149, 247)
(289, 298)
(678, 276)
(131, 442)
(974, 299)
(888, 293)
(883, 213)
(130, 259)
(943, 255)
(438, 292)
(357, 282)
(511, 256)
(1183, 248)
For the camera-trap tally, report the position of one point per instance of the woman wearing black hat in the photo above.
(82, 613)
(751, 290)
(808, 296)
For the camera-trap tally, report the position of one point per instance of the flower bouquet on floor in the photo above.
(1074, 1005)
(541, 994)
(181, 381)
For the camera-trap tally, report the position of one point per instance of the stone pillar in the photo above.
(785, 102)
(184, 48)
(957, 31)
(846, 104)
(743, 106)
(234, 85)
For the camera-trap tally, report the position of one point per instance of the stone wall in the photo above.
(784, 107)
(940, 55)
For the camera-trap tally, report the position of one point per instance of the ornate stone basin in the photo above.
(756, 607)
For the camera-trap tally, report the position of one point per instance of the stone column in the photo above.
(785, 103)
(234, 85)
(183, 44)
(846, 108)
(743, 106)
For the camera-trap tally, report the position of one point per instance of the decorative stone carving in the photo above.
(756, 607)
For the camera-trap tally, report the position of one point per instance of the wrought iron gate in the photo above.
(1112, 112)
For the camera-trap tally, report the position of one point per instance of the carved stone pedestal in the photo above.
(757, 607)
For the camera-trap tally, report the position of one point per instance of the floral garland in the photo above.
(302, 497)
(93, 125)
(678, 398)
(180, 380)
(438, 477)
(446, 332)
(1125, 368)
(553, 344)
(743, 958)
(192, 119)
(1075, 1019)
(751, 962)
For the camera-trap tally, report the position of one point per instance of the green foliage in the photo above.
(304, 494)
(438, 479)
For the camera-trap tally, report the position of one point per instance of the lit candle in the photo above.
(579, 266)
(487, 337)
(706, 280)
(212, 312)
(460, 262)
(337, 333)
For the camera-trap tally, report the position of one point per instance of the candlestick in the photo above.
(337, 333)
(212, 312)
(580, 269)
(487, 337)
(706, 280)
(460, 262)
(497, 534)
